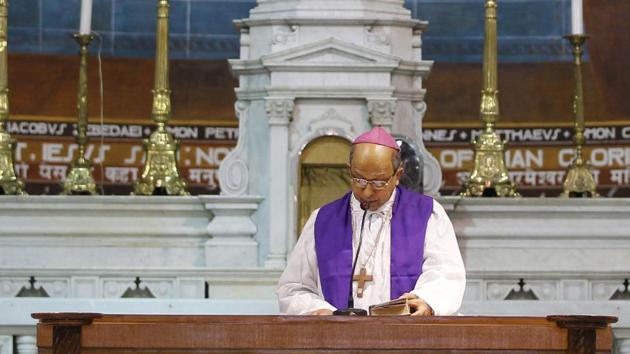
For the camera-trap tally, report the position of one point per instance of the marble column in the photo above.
(381, 112)
(279, 114)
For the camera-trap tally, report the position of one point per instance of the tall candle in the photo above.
(86, 17)
(577, 21)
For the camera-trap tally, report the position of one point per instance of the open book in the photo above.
(391, 308)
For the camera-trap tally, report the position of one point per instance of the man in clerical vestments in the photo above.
(400, 244)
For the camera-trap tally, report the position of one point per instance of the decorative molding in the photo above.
(112, 287)
(115, 288)
(338, 92)
(190, 288)
(376, 35)
(234, 170)
(10, 287)
(544, 290)
(85, 287)
(604, 290)
(330, 21)
(558, 287)
(245, 41)
(475, 290)
(432, 172)
(499, 290)
(329, 123)
(622, 345)
(381, 112)
(574, 290)
(333, 121)
(416, 43)
(6, 344)
(26, 344)
(55, 287)
(279, 111)
(339, 9)
(284, 35)
(231, 231)
(331, 53)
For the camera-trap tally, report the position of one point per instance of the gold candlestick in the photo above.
(579, 181)
(79, 179)
(489, 176)
(9, 183)
(160, 175)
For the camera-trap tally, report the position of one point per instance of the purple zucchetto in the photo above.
(377, 136)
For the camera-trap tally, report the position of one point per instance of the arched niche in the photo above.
(323, 174)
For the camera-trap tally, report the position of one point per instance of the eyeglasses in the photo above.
(377, 185)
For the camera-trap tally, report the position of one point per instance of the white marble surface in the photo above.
(6, 344)
(622, 341)
(545, 236)
(312, 68)
(571, 253)
(26, 344)
(117, 232)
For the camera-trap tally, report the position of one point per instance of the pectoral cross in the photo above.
(362, 277)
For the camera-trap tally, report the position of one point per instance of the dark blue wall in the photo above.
(529, 30)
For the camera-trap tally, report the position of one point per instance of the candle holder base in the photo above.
(160, 176)
(9, 183)
(579, 182)
(489, 176)
(79, 180)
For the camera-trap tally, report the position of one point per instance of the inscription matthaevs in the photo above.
(537, 157)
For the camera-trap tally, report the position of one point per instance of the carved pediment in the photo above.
(330, 52)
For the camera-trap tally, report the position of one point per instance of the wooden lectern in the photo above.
(73, 333)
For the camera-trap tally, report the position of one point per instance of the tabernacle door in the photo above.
(324, 174)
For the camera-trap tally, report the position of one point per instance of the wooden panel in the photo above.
(273, 334)
(607, 24)
(527, 93)
(46, 85)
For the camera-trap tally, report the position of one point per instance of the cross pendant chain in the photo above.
(362, 277)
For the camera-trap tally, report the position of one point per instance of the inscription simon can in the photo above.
(537, 157)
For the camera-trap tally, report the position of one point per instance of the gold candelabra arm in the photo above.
(9, 183)
(579, 181)
(79, 179)
(160, 175)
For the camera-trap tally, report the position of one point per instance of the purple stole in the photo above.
(333, 244)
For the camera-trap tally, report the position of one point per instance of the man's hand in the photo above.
(421, 308)
(321, 312)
